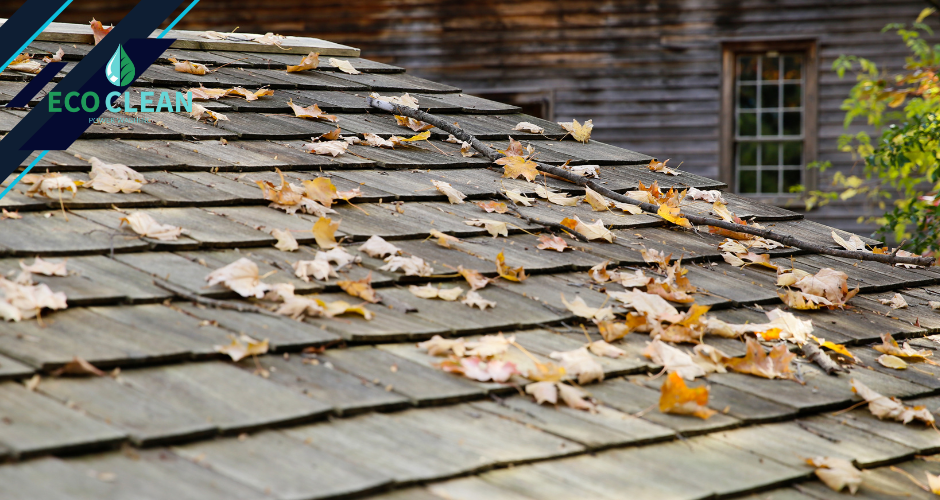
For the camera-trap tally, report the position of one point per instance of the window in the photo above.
(768, 117)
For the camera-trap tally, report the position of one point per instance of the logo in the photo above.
(120, 69)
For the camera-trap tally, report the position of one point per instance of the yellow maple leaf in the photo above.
(672, 214)
(360, 288)
(416, 125)
(423, 136)
(514, 166)
(324, 231)
(320, 190)
(759, 363)
(506, 272)
(310, 61)
(580, 132)
(598, 203)
(678, 398)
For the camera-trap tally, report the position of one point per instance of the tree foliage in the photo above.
(902, 165)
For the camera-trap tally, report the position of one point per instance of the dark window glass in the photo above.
(770, 153)
(769, 96)
(792, 123)
(792, 66)
(747, 68)
(747, 153)
(747, 124)
(769, 123)
(792, 95)
(747, 181)
(793, 153)
(769, 183)
(747, 97)
(770, 68)
(791, 178)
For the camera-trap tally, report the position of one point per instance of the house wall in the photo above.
(647, 72)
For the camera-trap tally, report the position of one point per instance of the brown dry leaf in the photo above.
(241, 277)
(598, 203)
(377, 142)
(113, 178)
(757, 362)
(854, 243)
(269, 39)
(580, 363)
(518, 198)
(285, 241)
(318, 268)
(549, 242)
(24, 300)
(710, 196)
(439, 346)
(762, 260)
(827, 283)
(660, 166)
(493, 206)
(454, 196)
(582, 310)
(24, 63)
(188, 67)
(324, 231)
(431, 292)
(476, 369)
(612, 330)
(509, 273)
(555, 197)
(143, 224)
(896, 302)
(444, 240)
(310, 61)
(529, 127)
(344, 66)
(360, 288)
(802, 301)
(666, 291)
(45, 267)
(242, 347)
(312, 111)
(14, 215)
(543, 392)
(905, 351)
(474, 278)
(332, 148)
(340, 307)
(57, 57)
(249, 95)
(280, 195)
(98, 30)
(474, 299)
(653, 306)
(403, 100)
(595, 231)
(599, 272)
(672, 214)
(678, 399)
(734, 260)
(376, 246)
(515, 166)
(49, 184)
(494, 227)
(411, 266)
(199, 111)
(415, 125)
(78, 367)
(673, 360)
(653, 256)
(837, 473)
(320, 190)
(331, 135)
(603, 349)
(581, 133)
(889, 361)
(891, 408)
(575, 398)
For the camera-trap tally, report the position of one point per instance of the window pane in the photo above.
(747, 68)
(793, 153)
(792, 66)
(770, 68)
(769, 181)
(747, 153)
(747, 124)
(792, 95)
(770, 96)
(791, 178)
(792, 123)
(769, 124)
(747, 96)
(769, 153)
(747, 181)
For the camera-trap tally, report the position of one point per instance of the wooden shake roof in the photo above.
(350, 408)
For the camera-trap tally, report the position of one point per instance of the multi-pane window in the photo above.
(768, 122)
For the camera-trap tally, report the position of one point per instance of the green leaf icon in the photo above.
(120, 69)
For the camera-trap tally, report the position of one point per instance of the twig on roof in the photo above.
(554, 225)
(215, 303)
(785, 239)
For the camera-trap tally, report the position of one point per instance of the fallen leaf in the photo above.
(489, 346)
(377, 247)
(734, 260)
(678, 399)
(595, 231)
(529, 127)
(556, 198)
(932, 303)
(602, 348)
(324, 231)
(580, 133)
(512, 274)
(598, 203)
(242, 347)
(332, 148)
(628, 208)
(143, 224)
(653, 306)
(14, 215)
(375, 141)
(57, 57)
(759, 363)
(579, 363)
(431, 292)
(582, 310)
(188, 67)
(454, 196)
(660, 166)
(411, 266)
(544, 392)
(474, 299)
(199, 111)
(891, 408)
(890, 361)
(890, 346)
(402, 100)
(476, 280)
(837, 473)
(78, 367)
(339, 308)
(439, 346)
(310, 61)
(549, 242)
(672, 214)
(896, 302)
(24, 63)
(444, 240)
(827, 283)
(360, 288)
(494, 227)
(49, 185)
(493, 206)
(318, 269)
(98, 30)
(45, 267)
(241, 277)
(854, 243)
(710, 196)
(575, 398)
(285, 241)
(269, 39)
(637, 279)
(344, 66)
(415, 125)
(320, 190)
(518, 198)
(599, 272)
(653, 256)
(113, 178)
(673, 360)
(313, 111)
(516, 166)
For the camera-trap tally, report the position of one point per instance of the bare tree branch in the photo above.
(785, 239)
(215, 303)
